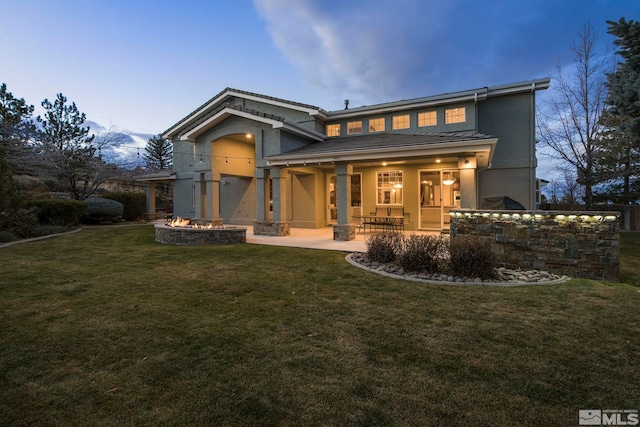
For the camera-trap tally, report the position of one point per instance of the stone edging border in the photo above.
(33, 239)
(563, 279)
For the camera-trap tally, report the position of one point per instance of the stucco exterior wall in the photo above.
(512, 171)
(237, 200)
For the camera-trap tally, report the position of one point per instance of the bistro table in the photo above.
(386, 223)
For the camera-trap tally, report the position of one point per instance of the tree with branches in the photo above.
(624, 83)
(158, 153)
(16, 127)
(68, 150)
(572, 124)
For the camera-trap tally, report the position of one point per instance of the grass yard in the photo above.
(105, 327)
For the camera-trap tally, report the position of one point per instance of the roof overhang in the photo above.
(223, 114)
(219, 99)
(485, 146)
(163, 175)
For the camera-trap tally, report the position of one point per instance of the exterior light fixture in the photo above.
(438, 160)
(448, 179)
(249, 135)
(384, 163)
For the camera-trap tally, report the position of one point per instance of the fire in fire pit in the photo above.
(186, 223)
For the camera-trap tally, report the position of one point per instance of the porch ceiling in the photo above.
(390, 145)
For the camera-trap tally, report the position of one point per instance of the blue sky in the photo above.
(141, 65)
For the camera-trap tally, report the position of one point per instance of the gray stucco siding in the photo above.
(510, 119)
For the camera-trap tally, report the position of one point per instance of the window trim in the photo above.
(435, 118)
(448, 118)
(334, 125)
(377, 119)
(397, 173)
(393, 121)
(349, 132)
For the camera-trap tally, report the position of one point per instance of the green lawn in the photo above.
(106, 327)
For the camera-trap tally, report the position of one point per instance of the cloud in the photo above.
(374, 50)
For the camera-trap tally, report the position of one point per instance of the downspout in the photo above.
(532, 160)
(475, 173)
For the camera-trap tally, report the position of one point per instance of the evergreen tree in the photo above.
(16, 127)
(67, 149)
(624, 84)
(158, 153)
(618, 165)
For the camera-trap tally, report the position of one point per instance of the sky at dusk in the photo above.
(140, 65)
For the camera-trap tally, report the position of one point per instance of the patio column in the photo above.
(201, 194)
(279, 182)
(279, 226)
(213, 201)
(151, 200)
(343, 230)
(261, 189)
(468, 190)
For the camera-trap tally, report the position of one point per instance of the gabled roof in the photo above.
(390, 145)
(226, 110)
(222, 97)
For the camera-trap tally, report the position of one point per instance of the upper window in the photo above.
(454, 115)
(401, 122)
(354, 127)
(427, 119)
(389, 188)
(333, 130)
(376, 125)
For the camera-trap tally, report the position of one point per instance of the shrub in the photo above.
(102, 210)
(135, 204)
(22, 222)
(383, 247)
(61, 212)
(423, 253)
(7, 236)
(471, 256)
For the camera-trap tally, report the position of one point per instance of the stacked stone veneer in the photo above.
(344, 232)
(199, 236)
(271, 228)
(578, 244)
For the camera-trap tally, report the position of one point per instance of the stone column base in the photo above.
(271, 228)
(344, 232)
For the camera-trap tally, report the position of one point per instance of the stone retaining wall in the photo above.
(199, 236)
(577, 244)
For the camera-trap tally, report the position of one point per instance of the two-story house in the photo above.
(257, 160)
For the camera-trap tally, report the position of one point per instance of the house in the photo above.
(272, 163)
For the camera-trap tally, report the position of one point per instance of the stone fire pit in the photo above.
(182, 232)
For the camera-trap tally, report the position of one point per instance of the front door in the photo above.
(439, 193)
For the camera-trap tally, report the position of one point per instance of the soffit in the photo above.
(389, 145)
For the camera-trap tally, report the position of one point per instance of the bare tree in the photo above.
(572, 124)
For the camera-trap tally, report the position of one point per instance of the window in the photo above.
(401, 122)
(376, 125)
(354, 127)
(332, 130)
(389, 188)
(356, 190)
(427, 118)
(454, 115)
